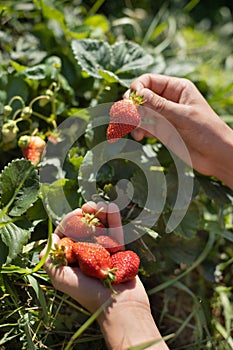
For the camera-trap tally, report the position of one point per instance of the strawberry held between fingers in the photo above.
(32, 147)
(124, 117)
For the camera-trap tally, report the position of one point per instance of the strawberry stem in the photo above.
(109, 279)
(137, 99)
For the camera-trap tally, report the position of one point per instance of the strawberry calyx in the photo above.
(136, 99)
(24, 141)
(58, 256)
(91, 220)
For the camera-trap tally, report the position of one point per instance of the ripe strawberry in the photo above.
(94, 260)
(81, 227)
(109, 243)
(62, 253)
(124, 117)
(32, 147)
(125, 265)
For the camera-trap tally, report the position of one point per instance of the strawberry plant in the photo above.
(63, 66)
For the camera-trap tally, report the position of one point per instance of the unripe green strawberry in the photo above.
(32, 147)
(94, 260)
(125, 265)
(80, 227)
(7, 110)
(62, 253)
(9, 131)
(124, 117)
(26, 112)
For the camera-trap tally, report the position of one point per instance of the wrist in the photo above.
(129, 323)
(223, 164)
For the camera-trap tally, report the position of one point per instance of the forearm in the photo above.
(223, 160)
(127, 324)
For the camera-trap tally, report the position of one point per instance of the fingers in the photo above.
(167, 108)
(89, 207)
(102, 212)
(88, 291)
(55, 240)
(115, 224)
(59, 230)
(171, 88)
(109, 216)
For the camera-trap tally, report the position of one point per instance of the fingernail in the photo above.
(113, 208)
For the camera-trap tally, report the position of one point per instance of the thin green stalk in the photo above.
(95, 7)
(25, 325)
(153, 342)
(87, 324)
(48, 247)
(154, 24)
(221, 330)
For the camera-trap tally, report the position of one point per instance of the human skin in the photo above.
(208, 139)
(127, 320)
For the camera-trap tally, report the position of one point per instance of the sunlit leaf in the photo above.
(19, 184)
(13, 237)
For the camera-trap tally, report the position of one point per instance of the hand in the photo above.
(175, 104)
(127, 320)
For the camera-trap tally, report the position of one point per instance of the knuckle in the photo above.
(159, 103)
(186, 83)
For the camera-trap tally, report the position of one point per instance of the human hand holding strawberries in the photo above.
(128, 320)
(175, 107)
(66, 278)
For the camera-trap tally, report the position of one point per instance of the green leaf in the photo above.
(60, 197)
(19, 183)
(101, 60)
(149, 231)
(4, 250)
(180, 250)
(129, 56)
(35, 73)
(97, 21)
(110, 77)
(13, 236)
(40, 295)
(92, 55)
(139, 183)
(53, 13)
(190, 223)
(219, 193)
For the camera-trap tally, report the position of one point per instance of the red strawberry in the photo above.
(94, 260)
(125, 265)
(32, 147)
(109, 243)
(62, 253)
(124, 117)
(80, 227)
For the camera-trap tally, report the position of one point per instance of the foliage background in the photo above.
(56, 55)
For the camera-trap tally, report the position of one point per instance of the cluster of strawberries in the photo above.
(86, 244)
